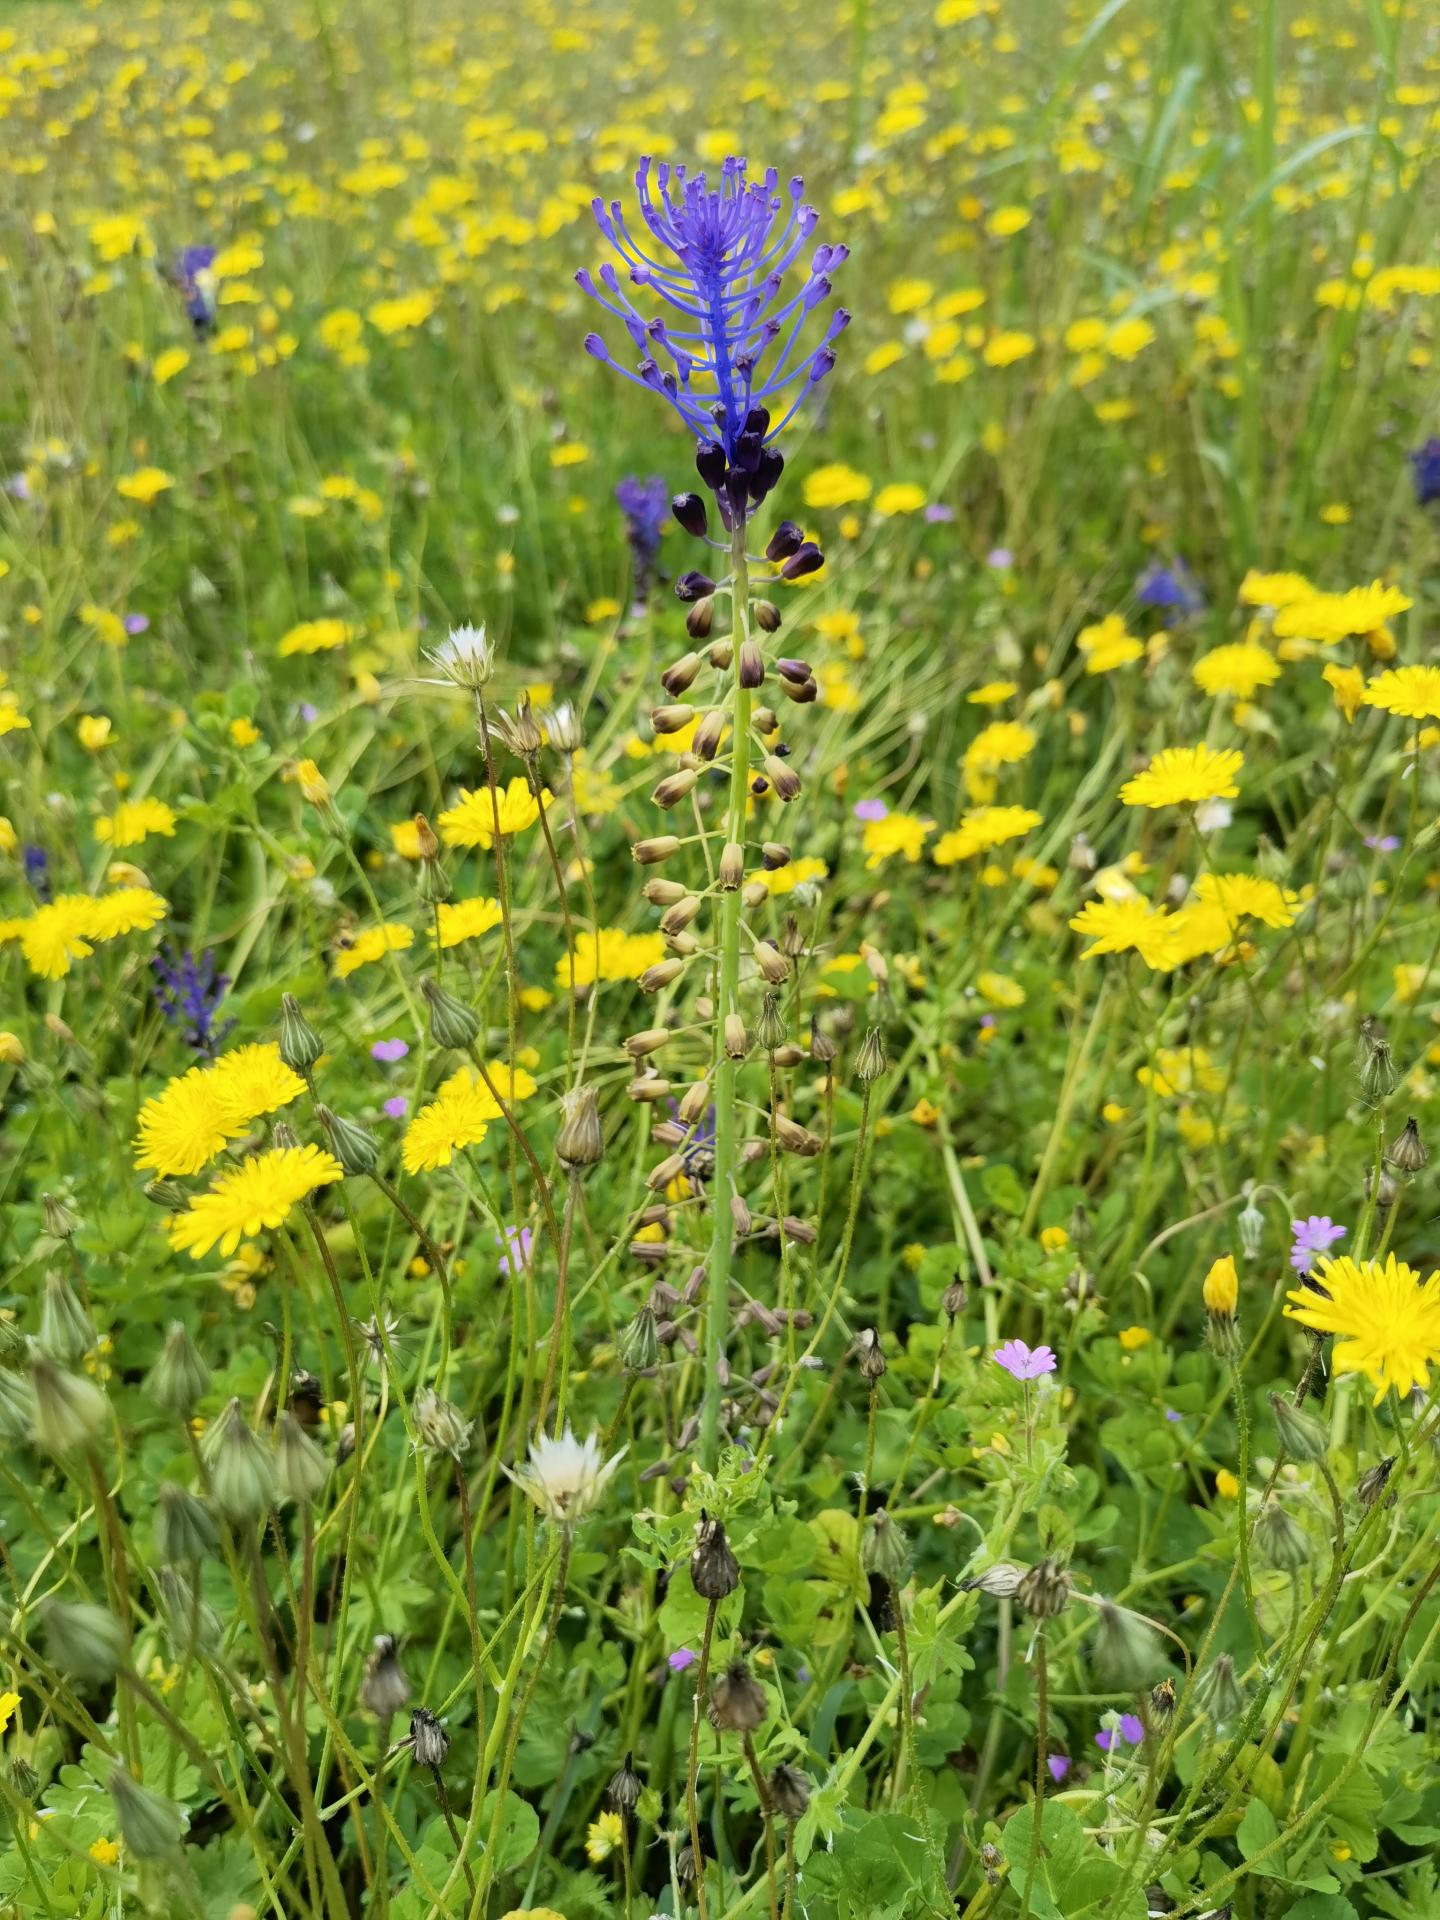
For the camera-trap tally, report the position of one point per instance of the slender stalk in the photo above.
(692, 1770)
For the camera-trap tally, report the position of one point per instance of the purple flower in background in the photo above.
(1313, 1236)
(680, 1659)
(135, 623)
(1171, 590)
(1025, 1363)
(1131, 1729)
(1000, 558)
(389, 1051)
(1059, 1765)
(645, 505)
(717, 258)
(188, 992)
(870, 810)
(37, 872)
(1425, 471)
(397, 1106)
(190, 275)
(517, 1251)
(309, 713)
(1382, 842)
(938, 514)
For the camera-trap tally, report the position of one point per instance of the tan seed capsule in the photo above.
(722, 653)
(649, 853)
(794, 1138)
(649, 1087)
(766, 615)
(774, 854)
(755, 894)
(731, 870)
(740, 1216)
(678, 677)
(875, 962)
(765, 721)
(772, 964)
(649, 1041)
(674, 787)
(783, 778)
(671, 719)
(701, 617)
(682, 943)
(710, 732)
(787, 1056)
(661, 975)
(679, 916)
(737, 1041)
(670, 1168)
(663, 893)
(694, 1101)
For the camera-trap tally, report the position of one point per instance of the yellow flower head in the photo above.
(1386, 1320)
(1107, 645)
(603, 1836)
(1184, 776)
(1412, 692)
(1221, 1288)
(471, 822)
(1239, 670)
(252, 1197)
(373, 944)
(133, 821)
(466, 920)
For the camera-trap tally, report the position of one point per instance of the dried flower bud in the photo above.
(752, 665)
(649, 853)
(693, 585)
(670, 791)
(180, 1378)
(624, 1788)
(356, 1150)
(714, 1570)
(953, 1299)
(677, 678)
(67, 1408)
(766, 615)
(791, 1137)
(869, 1354)
(301, 1469)
(1162, 1699)
(429, 1742)
(1379, 1074)
(452, 1023)
(737, 1700)
(1045, 1590)
(1302, 1436)
(242, 1478)
(1217, 1693)
(705, 742)
(60, 1221)
(300, 1045)
(1001, 1581)
(1407, 1152)
(82, 1641)
(737, 1041)
(184, 1532)
(66, 1333)
(565, 728)
(694, 1101)
(678, 916)
(822, 1047)
(151, 1828)
(1280, 1540)
(655, 978)
(1127, 1650)
(440, 1426)
(1386, 1189)
(870, 1063)
(384, 1688)
(782, 777)
(671, 719)
(802, 1232)
(649, 1041)
(1373, 1482)
(770, 1029)
(580, 1143)
(789, 1792)
(884, 1549)
(770, 963)
(519, 731)
(427, 845)
(721, 655)
(731, 870)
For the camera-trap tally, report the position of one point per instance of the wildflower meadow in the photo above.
(719, 960)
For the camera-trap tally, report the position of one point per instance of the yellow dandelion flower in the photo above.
(1386, 1320)
(466, 920)
(145, 485)
(251, 1198)
(315, 636)
(371, 945)
(1184, 776)
(1412, 692)
(471, 821)
(440, 1130)
(1239, 670)
(1348, 686)
(835, 486)
(1107, 645)
(133, 821)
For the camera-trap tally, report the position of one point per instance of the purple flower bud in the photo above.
(693, 586)
(596, 347)
(784, 541)
(806, 559)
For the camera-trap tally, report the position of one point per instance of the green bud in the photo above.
(871, 1061)
(352, 1146)
(69, 1409)
(1217, 1693)
(191, 1624)
(66, 1333)
(241, 1475)
(179, 1379)
(439, 1424)
(60, 1222)
(639, 1343)
(580, 1144)
(83, 1642)
(432, 884)
(168, 1195)
(1280, 1540)
(151, 1828)
(301, 1469)
(452, 1023)
(885, 1549)
(300, 1045)
(1127, 1652)
(23, 1777)
(770, 1029)
(184, 1531)
(1303, 1437)
(17, 1407)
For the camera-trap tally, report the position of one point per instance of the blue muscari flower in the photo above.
(37, 871)
(733, 351)
(1425, 469)
(190, 273)
(1172, 589)
(188, 990)
(645, 505)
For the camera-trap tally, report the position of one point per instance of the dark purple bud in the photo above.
(747, 452)
(710, 463)
(795, 670)
(757, 420)
(752, 665)
(805, 559)
(821, 365)
(737, 488)
(767, 475)
(693, 586)
(596, 347)
(784, 541)
(689, 510)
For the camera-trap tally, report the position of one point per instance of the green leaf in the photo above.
(1255, 1832)
(1072, 1878)
(519, 1830)
(1001, 1186)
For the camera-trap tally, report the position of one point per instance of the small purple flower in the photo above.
(1313, 1236)
(188, 992)
(645, 504)
(1025, 1363)
(37, 872)
(1173, 1416)
(1382, 842)
(517, 1251)
(1059, 1765)
(1131, 1729)
(1425, 470)
(397, 1106)
(1171, 590)
(135, 623)
(680, 1659)
(938, 514)
(870, 810)
(309, 713)
(190, 275)
(1000, 558)
(389, 1051)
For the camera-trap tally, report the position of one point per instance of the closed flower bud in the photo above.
(803, 1233)
(766, 615)
(785, 540)
(242, 1478)
(432, 883)
(770, 963)
(660, 1176)
(179, 1379)
(1217, 1693)
(1001, 1582)
(301, 1469)
(700, 618)
(754, 894)
(731, 870)
(168, 1195)
(1407, 1152)
(384, 1688)
(17, 1407)
(789, 1792)
(639, 1343)
(427, 844)
(679, 915)
(1302, 1436)
(184, 1532)
(649, 853)
(23, 1777)
(60, 1222)
(807, 558)
(429, 1741)
(151, 1828)
(649, 1041)
(83, 1642)
(737, 1700)
(670, 791)
(66, 1333)
(355, 1149)
(1251, 1223)
(1373, 1482)
(1162, 1699)
(782, 777)
(1280, 1540)
(300, 1045)
(953, 1299)
(1221, 1288)
(693, 585)
(770, 1030)
(714, 1570)
(68, 1409)
(675, 679)
(822, 1047)
(737, 1041)
(624, 1789)
(440, 1427)
(694, 1101)
(452, 1023)
(870, 1063)
(1387, 1188)
(1127, 1651)
(689, 510)
(710, 732)
(1045, 1590)
(752, 665)
(791, 1137)
(671, 719)
(884, 1549)
(565, 728)
(519, 731)
(580, 1143)
(774, 855)
(869, 1354)
(1379, 1075)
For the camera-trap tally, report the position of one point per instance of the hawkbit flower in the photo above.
(731, 347)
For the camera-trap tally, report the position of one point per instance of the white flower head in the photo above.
(565, 1477)
(466, 658)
